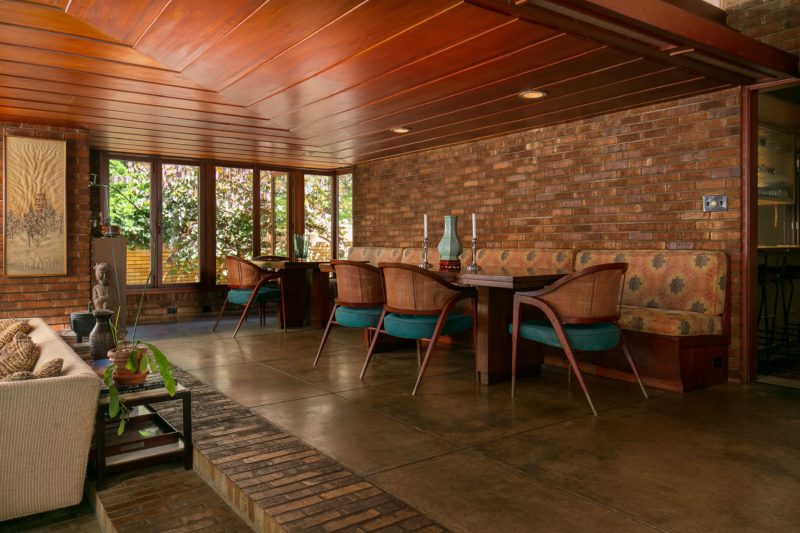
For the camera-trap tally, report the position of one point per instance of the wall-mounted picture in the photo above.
(35, 207)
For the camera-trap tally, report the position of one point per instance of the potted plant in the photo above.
(132, 361)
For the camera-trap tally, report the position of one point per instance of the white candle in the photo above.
(425, 225)
(474, 226)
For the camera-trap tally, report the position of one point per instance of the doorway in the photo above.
(775, 170)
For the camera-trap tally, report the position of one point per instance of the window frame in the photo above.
(295, 211)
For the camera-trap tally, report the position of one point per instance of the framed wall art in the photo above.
(35, 207)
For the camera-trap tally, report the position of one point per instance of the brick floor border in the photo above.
(275, 481)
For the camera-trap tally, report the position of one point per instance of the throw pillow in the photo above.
(50, 369)
(10, 327)
(19, 355)
(19, 376)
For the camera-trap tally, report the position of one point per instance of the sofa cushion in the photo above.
(358, 317)
(10, 327)
(375, 254)
(19, 355)
(18, 376)
(669, 322)
(525, 259)
(413, 256)
(50, 369)
(422, 326)
(680, 280)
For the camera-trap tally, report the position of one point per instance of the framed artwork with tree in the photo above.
(35, 207)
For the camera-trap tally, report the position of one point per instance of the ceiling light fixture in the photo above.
(400, 129)
(533, 94)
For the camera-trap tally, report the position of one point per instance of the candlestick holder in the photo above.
(473, 267)
(425, 264)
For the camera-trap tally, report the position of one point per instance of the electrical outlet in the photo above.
(715, 202)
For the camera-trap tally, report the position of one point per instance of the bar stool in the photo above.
(772, 301)
(791, 328)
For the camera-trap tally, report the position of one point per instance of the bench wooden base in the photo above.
(676, 364)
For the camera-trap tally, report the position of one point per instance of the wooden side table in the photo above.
(148, 437)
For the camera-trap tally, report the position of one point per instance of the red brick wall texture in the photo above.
(54, 297)
(775, 22)
(633, 179)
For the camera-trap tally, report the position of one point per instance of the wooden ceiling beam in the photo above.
(651, 48)
(662, 18)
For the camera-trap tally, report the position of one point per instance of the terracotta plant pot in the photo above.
(123, 376)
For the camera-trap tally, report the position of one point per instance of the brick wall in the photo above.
(54, 297)
(775, 22)
(632, 179)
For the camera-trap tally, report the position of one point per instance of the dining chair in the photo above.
(581, 311)
(248, 284)
(359, 300)
(420, 306)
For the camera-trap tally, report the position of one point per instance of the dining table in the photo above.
(496, 287)
(307, 290)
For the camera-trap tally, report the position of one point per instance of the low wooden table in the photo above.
(148, 438)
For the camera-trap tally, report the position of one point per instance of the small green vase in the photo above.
(450, 246)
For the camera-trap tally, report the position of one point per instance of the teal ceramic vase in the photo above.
(450, 246)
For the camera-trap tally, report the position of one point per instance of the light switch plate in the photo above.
(715, 202)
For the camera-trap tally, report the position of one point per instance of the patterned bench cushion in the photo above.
(545, 261)
(375, 254)
(669, 322)
(413, 256)
(671, 292)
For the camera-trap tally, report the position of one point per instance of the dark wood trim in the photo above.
(749, 121)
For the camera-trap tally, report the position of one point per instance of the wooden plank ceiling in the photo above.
(319, 84)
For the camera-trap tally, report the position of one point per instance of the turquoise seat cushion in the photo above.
(240, 296)
(358, 317)
(421, 326)
(582, 337)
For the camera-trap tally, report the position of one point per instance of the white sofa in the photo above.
(45, 431)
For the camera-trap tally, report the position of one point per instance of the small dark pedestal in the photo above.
(148, 438)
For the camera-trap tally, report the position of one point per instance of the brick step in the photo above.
(270, 478)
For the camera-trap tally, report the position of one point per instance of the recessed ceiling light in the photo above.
(400, 129)
(533, 94)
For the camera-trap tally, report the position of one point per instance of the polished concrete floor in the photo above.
(474, 459)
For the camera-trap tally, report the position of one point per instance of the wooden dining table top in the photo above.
(279, 265)
(503, 278)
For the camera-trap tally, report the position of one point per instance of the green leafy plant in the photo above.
(142, 357)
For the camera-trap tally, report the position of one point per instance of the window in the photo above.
(319, 215)
(234, 228)
(129, 208)
(273, 199)
(180, 215)
(162, 211)
(344, 202)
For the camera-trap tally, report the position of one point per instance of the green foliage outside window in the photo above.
(234, 192)
(345, 186)
(129, 200)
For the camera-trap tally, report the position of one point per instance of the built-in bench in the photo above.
(542, 260)
(675, 313)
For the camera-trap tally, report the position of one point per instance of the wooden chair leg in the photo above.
(219, 316)
(572, 361)
(245, 313)
(437, 331)
(419, 353)
(628, 356)
(325, 335)
(372, 345)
